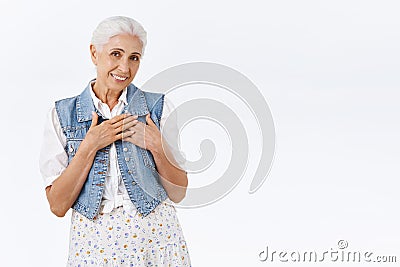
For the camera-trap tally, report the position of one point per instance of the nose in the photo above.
(124, 66)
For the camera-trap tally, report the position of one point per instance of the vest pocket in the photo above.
(148, 159)
(72, 146)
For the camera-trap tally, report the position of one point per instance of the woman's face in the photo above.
(117, 62)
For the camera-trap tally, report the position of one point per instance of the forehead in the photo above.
(129, 43)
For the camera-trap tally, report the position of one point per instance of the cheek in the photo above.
(135, 68)
(104, 68)
(101, 71)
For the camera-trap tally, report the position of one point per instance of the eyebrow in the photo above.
(122, 50)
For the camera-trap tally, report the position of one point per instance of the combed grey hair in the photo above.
(113, 26)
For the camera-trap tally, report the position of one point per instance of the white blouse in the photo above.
(54, 160)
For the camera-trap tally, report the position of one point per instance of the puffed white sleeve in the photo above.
(53, 159)
(170, 133)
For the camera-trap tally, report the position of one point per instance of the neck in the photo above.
(106, 95)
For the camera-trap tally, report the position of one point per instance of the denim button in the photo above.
(126, 159)
(125, 149)
(133, 183)
(71, 149)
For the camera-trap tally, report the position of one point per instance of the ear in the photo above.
(93, 54)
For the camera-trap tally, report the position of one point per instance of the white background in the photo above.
(328, 69)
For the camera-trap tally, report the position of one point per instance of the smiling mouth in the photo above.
(119, 78)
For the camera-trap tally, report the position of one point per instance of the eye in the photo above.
(134, 58)
(115, 53)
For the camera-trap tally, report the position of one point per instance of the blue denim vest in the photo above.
(137, 166)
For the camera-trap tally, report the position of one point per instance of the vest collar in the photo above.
(135, 98)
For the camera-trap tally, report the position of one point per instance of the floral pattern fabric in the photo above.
(120, 239)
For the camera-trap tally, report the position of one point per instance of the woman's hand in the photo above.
(145, 136)
(66, 188)
(173, 179)
(109, 131)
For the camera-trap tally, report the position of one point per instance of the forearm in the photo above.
(66, 188)
(173, 179)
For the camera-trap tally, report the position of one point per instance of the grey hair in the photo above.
(118, 25)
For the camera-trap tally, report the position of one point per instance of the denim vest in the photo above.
(138, 170)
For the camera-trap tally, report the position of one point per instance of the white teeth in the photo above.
(119, 77)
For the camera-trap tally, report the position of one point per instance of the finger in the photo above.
(134, 129)
(139, 124)
(149, 120)
(95, 118)
(124, 135)
(124, 121)
(118, 118)
(139, 127)
(125, 124)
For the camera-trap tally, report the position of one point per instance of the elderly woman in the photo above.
(104, 156)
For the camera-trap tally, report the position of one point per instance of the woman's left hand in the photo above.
(146, 136)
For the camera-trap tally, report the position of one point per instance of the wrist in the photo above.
(157, 150)
(87, 148)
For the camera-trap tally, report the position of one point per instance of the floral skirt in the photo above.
(119, 239)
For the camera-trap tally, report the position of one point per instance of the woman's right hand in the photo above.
(109, 131)
(66, 188)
